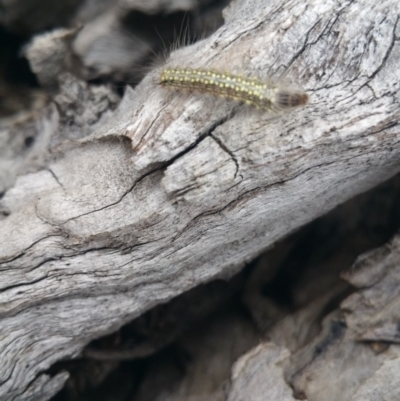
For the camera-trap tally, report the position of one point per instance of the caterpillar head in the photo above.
(289, 97)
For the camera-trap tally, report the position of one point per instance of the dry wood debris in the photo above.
(121, 202)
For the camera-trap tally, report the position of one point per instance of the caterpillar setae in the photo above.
(264, 95)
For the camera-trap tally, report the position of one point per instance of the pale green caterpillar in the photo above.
(269, 95)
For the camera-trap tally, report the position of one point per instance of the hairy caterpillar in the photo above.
(264, 95)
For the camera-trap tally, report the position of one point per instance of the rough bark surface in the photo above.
(136, 204)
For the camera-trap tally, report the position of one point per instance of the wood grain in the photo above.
(169, 191)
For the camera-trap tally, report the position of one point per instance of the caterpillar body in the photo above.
(265, 95)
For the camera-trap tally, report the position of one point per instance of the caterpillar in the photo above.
(264, 95)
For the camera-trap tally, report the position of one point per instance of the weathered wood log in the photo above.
(357, 356)
(170, 191)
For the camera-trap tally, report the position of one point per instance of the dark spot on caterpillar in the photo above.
(291, 99)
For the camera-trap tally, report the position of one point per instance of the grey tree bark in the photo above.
(130, 206)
